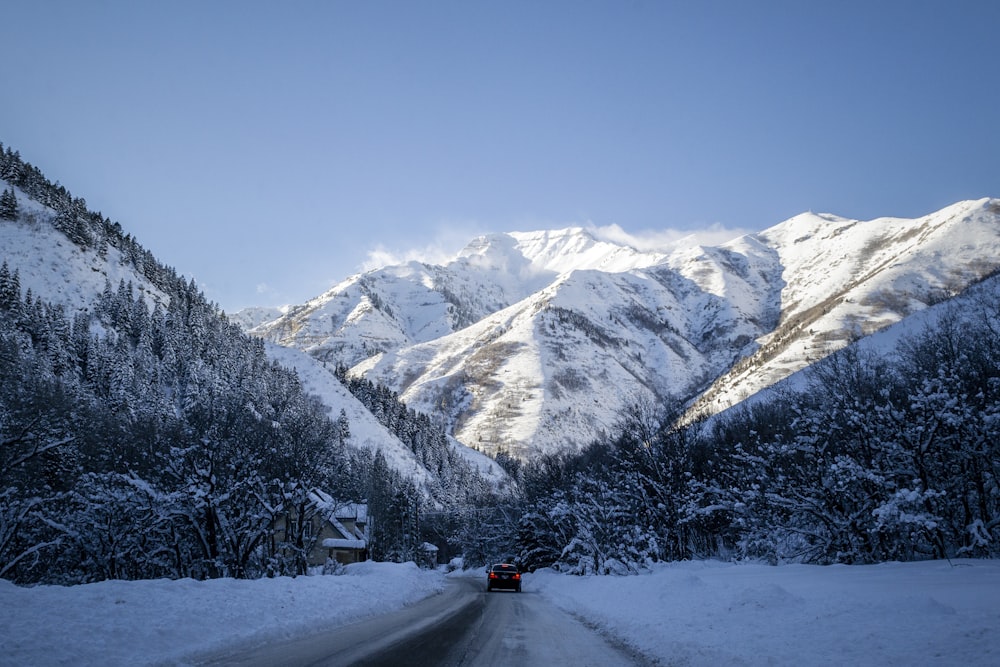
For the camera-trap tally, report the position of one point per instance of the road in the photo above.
(464, 626)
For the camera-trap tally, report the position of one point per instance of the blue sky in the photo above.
(268, 149)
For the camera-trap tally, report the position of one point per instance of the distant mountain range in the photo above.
(535, 342)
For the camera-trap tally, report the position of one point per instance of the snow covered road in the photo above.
(464, 625)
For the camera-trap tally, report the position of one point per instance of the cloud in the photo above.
(666, 240)
(444, 247)
(449, 240)
(380, 256)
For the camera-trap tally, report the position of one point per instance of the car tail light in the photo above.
(493, 575)
(517, 575)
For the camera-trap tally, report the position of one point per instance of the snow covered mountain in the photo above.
(414, 303)
(845, 279)
(534, 342)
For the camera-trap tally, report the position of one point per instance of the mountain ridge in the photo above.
(534, 341)
(884, 287)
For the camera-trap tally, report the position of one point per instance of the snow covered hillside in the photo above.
(366, 431)
(414, 303)
(534, 342)
(844, 279)
(63, 273)
(964, 310)
(58, 270)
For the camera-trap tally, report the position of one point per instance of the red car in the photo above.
(503, 575)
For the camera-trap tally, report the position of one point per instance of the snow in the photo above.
(691, 613)
(562, 251)
(885, 342)
(174, 622)
(55, 269)
(366, 432)
(711, 613)
(842, 277)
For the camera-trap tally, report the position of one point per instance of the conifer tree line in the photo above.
(8, 204)
(456, 480)
(878, 458)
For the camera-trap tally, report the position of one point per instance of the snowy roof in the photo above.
(337, 509)
(333, 543)
(321, 498)
(334, 511)
(356, 511)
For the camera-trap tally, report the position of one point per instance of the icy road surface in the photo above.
(464, 625)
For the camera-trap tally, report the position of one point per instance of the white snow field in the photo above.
(691, 613)
(712, 613)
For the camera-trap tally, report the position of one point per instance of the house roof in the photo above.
(333, 543)
(334, 512)
(358, 512)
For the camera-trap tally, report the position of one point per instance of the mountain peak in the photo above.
(555, 252)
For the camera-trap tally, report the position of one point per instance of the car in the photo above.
(503, 575)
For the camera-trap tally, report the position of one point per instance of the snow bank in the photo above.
(160, 622)
(704, 613)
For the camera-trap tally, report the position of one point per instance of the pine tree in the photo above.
(8, 205)
(343, 426)
(379, 508)
(10, 289)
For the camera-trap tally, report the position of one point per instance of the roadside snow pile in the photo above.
(709, 613)
(155, 622)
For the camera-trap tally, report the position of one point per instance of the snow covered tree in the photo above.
(33, 428)
(8, 205)
(10, 291)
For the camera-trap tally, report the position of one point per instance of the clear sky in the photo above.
(270, 149)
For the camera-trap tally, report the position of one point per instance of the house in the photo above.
(334, 530)
(345, 539)
(428, 555)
